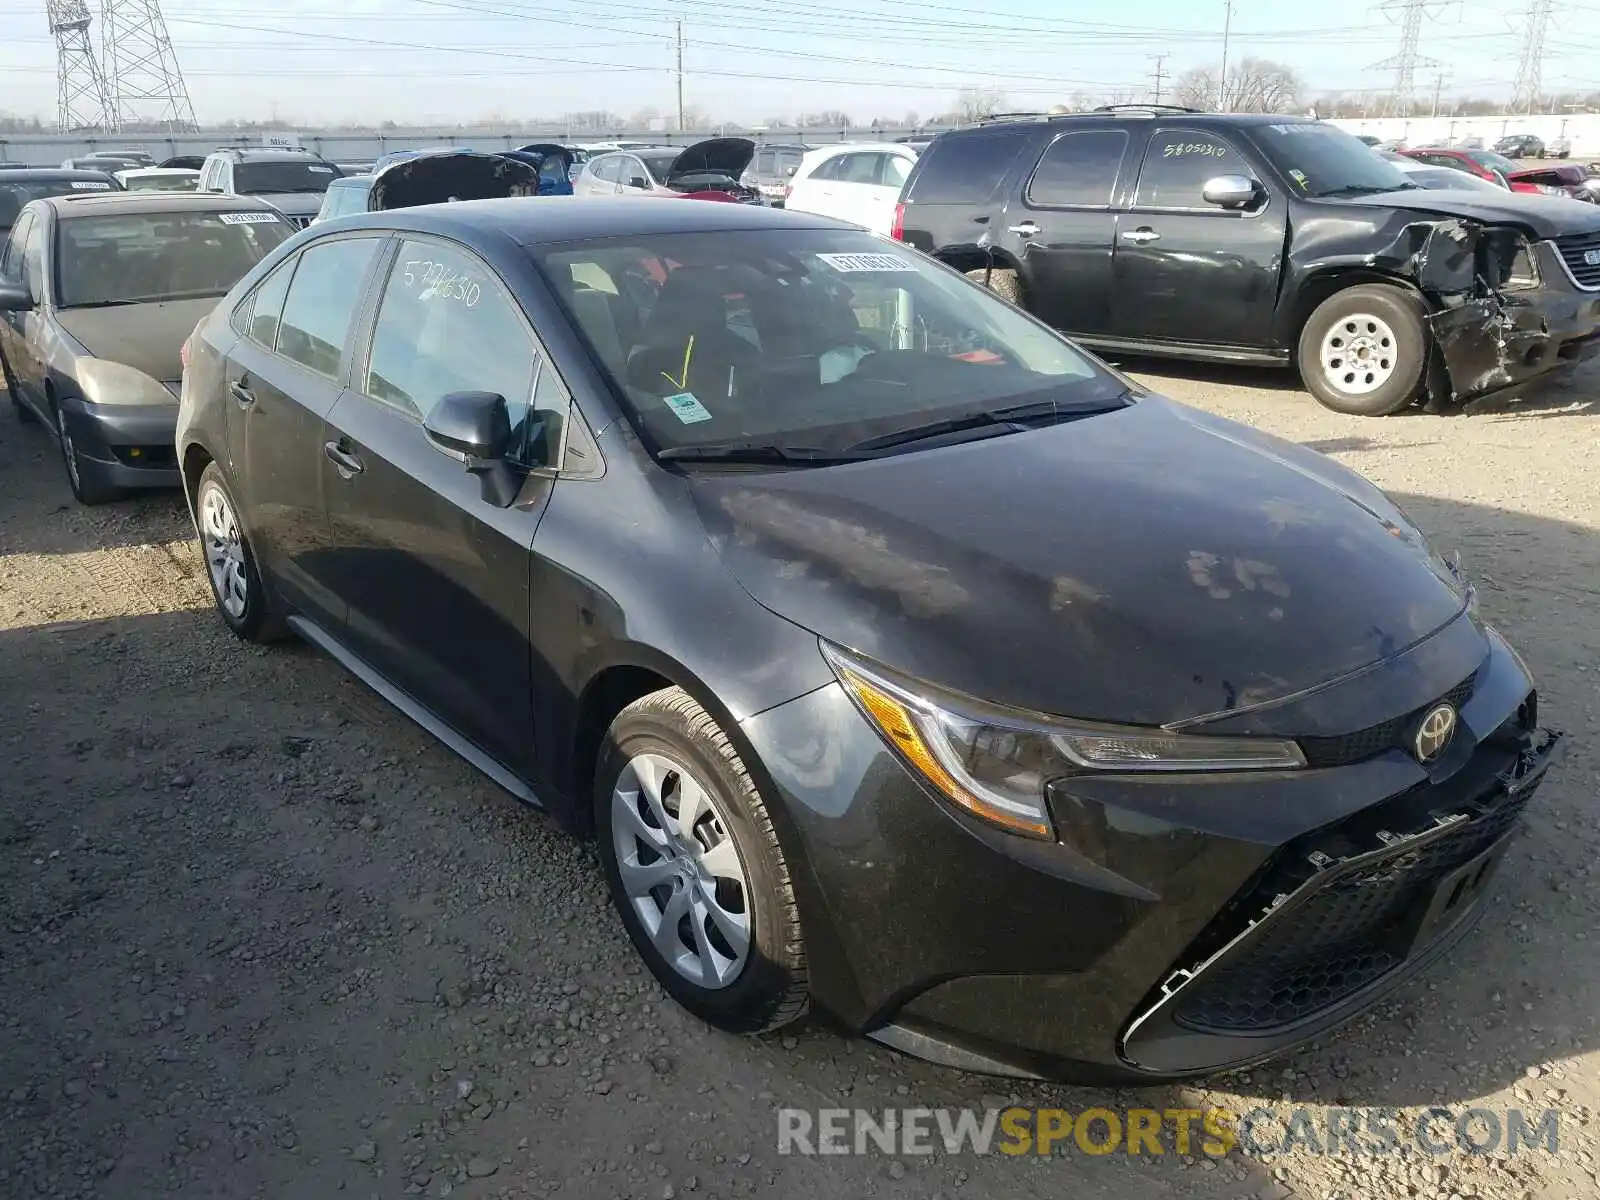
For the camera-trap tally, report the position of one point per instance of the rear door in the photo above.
(1187, 271)
(283, 377)
(1063, 232)
(817, 192)
(955, 191)
(434, 577)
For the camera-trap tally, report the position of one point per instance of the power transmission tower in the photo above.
(1530, 68)
(81, 101)
(1409, 14)
(1160, 74)
(142, 75)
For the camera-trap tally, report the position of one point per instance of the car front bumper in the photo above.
(1510, 338)
(126, 445)
(1179, 925)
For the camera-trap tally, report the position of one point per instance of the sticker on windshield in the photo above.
(868, 262)
(1299, 177)
(687, 408)
(320, 170)
(248, 218)
(90, 185)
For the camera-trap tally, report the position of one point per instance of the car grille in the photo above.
(1573, 249)
(1350, 924)
(1375, 739)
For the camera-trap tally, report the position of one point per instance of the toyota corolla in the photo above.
(905, 660)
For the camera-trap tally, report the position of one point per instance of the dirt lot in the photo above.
(260, 937)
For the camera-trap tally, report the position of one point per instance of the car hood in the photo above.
(452, 175)
(1559, 176)
(1543, 216)
(1146, 566)
(293, 204)
(146, 337)
(720, 156)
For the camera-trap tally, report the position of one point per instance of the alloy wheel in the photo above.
(69, 452)
(1359, 354)
(224, 551)
(681, 871)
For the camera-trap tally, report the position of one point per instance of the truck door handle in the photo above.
(349, 464)
(1026, 229)
(242, 394)
(1143, 234)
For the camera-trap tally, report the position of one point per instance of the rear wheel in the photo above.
(695, 869)
(1002, 281)
(1363, 350)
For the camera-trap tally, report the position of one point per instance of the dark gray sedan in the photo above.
(98, 291)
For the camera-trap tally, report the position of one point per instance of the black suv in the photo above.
(1263, 239)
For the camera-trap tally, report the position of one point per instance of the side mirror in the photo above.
(1229, 191)
(14, 298)
(639, 181)
(476, 427)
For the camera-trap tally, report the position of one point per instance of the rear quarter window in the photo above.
(967, 168)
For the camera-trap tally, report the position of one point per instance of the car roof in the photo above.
(533, 221)
(48, 173)
(97, 203)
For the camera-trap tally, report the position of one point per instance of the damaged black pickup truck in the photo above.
(1262, 239)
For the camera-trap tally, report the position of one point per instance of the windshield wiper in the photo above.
(112, 303)
(1012, 419)
(755, 452)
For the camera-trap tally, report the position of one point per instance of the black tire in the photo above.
(83, 475)
(258, 621)
(1002, 281)
(771, 989)
(1407, 349)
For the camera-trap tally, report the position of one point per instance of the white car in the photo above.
(859, 183)
(159, 179)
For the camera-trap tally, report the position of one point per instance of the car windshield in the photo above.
(268, 178)
(1323, 160)
(186, 182)
(14, 193)
(810, 342)
(658, 162)
(140, 258)
(1495, 162)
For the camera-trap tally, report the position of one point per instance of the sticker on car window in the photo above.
(89, 185)
(868, 262)
(1185, 149)
(687, 408)
(248, 218)
(320, 170)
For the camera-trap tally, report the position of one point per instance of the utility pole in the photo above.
(1161, 75)
(680, 76)
(1438, 87)
(1222, 78)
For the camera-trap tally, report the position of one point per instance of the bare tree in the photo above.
(975, 103)
(1253, 85)
(831, 119)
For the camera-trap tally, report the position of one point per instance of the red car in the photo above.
(1497, 168)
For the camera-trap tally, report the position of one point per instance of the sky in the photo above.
(301, 63)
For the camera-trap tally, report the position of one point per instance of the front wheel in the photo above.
(1363, 350)
(1002, 281)
(83, 474)
(695, 868)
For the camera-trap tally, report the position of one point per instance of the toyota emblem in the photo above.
(1591, 258)
(1435, 732)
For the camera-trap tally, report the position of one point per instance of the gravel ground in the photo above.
(260, 937)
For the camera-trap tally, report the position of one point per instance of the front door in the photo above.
(23, 266)
(1191, 272)
(434, 576)
(283, 377)
(1063, 231)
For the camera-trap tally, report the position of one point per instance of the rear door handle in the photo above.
(1026, 229)
(242, 394)
(349, 465)
(1142, 234)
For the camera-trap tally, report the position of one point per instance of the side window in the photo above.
(606, 170)
(446, 325)
(264, 307)
(1079, 169)
(967, 168)
(33, 260)
(322, 302)
(896, 170)
(630, 170)
(1177, 164)
(828, 168)
(766, 162)
(859, 168)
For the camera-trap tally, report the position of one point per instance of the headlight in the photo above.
(105, 382)
(995, 763)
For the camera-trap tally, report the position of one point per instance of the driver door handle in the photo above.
(1026, 229)
(242, 394)
(1143, 234)
(349, 464)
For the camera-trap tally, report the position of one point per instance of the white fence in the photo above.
(1582, 130)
